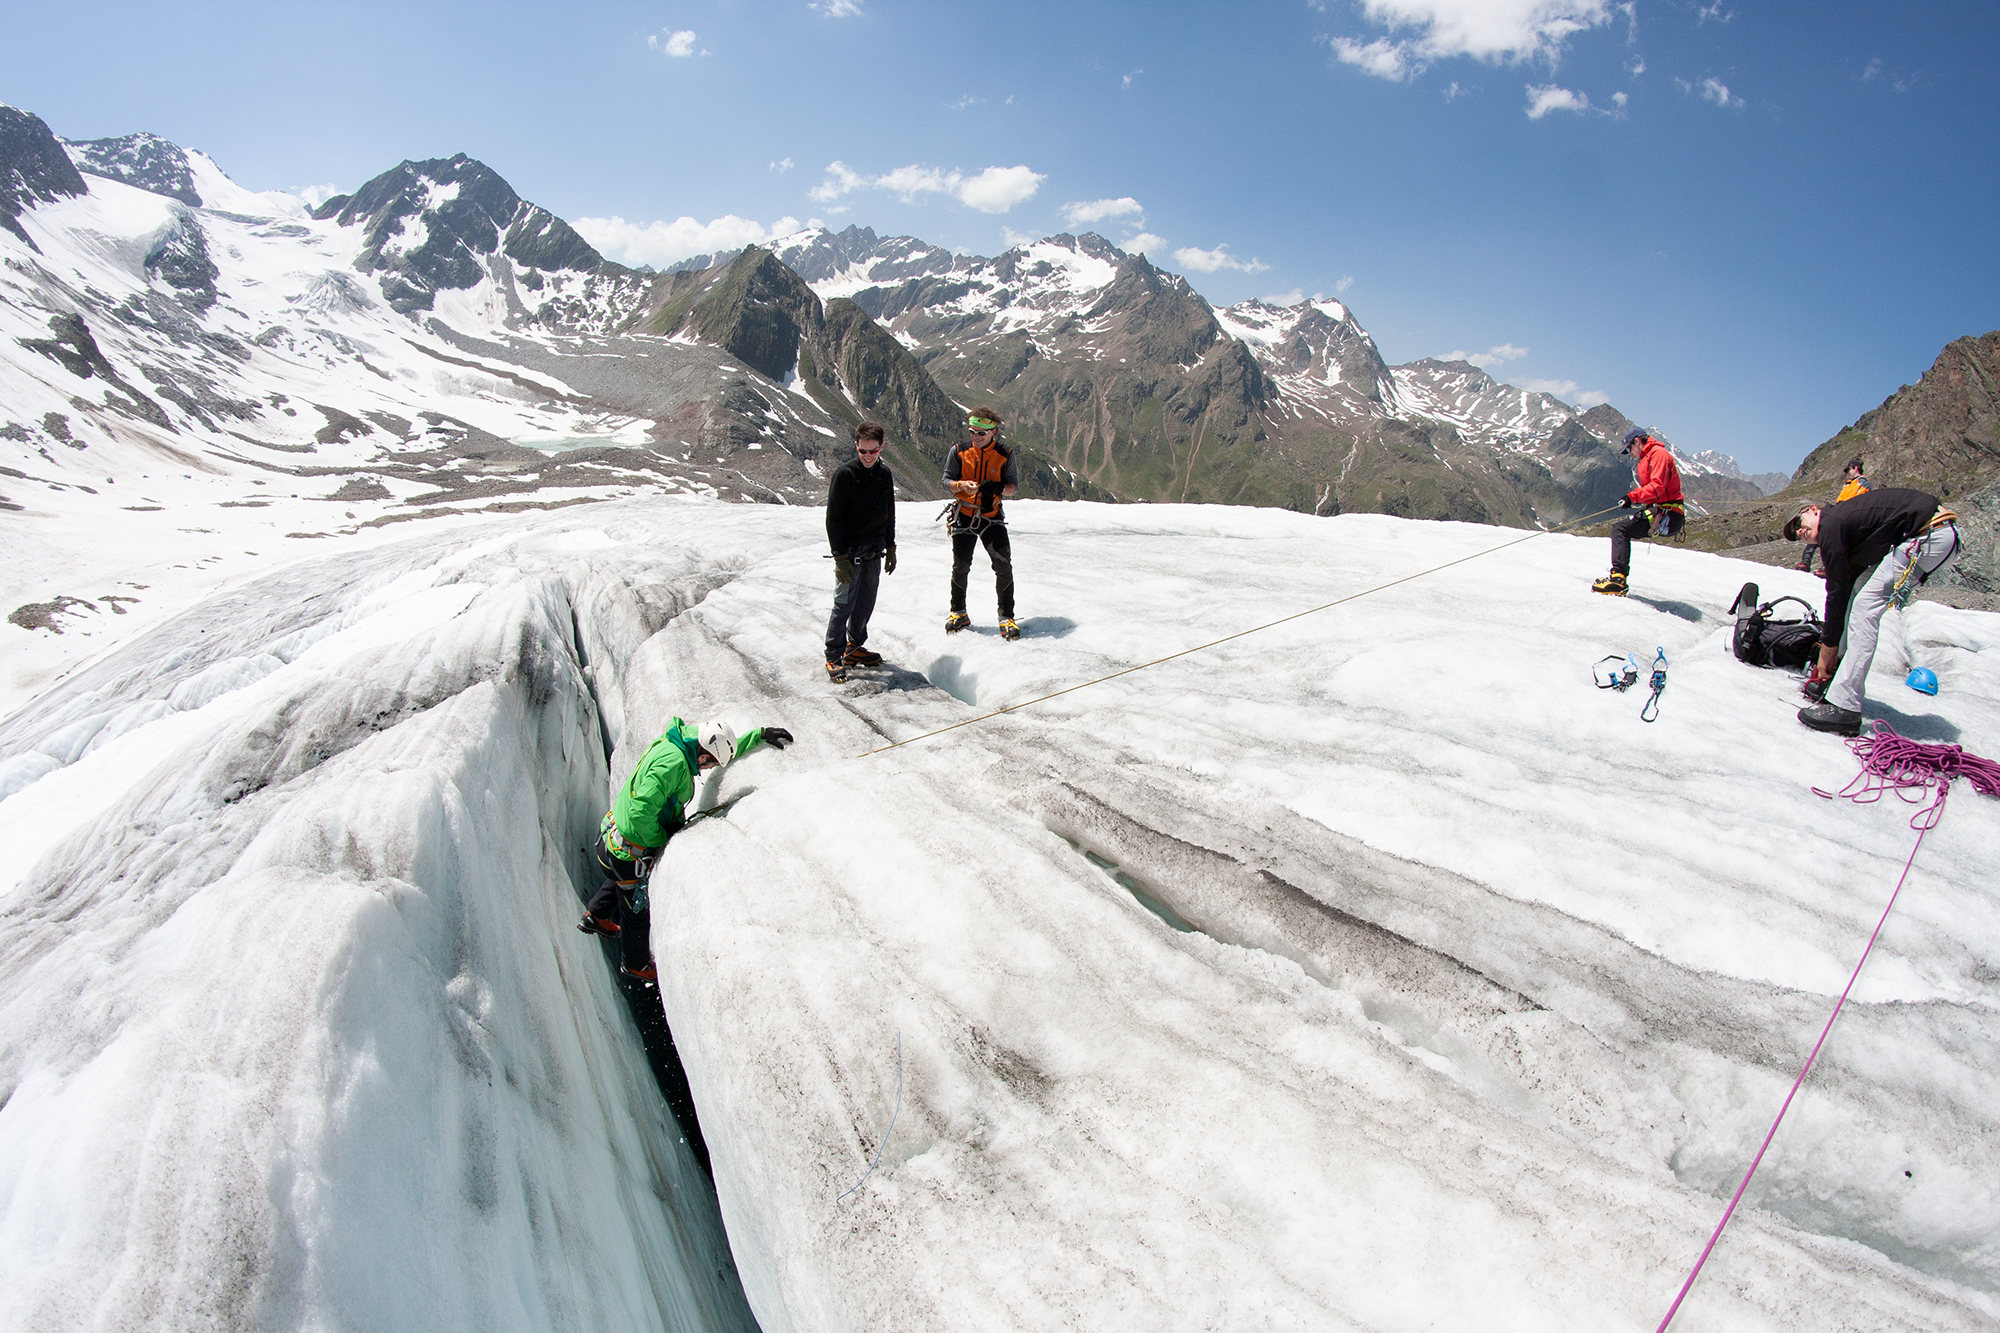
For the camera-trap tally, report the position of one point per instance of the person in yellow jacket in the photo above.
(648, 810)
(1854, 484)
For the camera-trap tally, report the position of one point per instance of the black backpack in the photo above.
(1764, 642)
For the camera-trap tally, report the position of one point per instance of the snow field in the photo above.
(1492, 992)
(1559, 1032)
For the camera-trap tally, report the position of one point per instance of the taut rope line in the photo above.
(1212, 643)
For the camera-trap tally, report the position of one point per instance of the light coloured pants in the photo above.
(1930, 552)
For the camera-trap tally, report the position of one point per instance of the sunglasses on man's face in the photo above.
(876, 450)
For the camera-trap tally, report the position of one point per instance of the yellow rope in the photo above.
(1296, 615)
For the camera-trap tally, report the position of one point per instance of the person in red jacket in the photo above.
(1657, 497)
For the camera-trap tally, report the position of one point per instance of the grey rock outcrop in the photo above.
(430, 226)
(34, 169)
(145, 161)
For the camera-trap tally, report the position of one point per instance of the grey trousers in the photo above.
(1930, 553)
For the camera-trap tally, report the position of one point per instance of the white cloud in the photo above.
(1714, 11)
(1213, 261)
(1549, 98)
(1590, 398)
(1145, 243)
(1382, 58)
(997, 189)
(838, 9)
(1495, 31)
(1491, 357)
(1017, 238)
(661, 243)
(1637, 67)
(1714, 90)
(963, 102)
(1453, 92)
(1129, 77)
(1874, 70)
(675, 44)
(315, 195)
(782, 166)
(994, 190)
(1554, 388)
(1619, 100)
(1342, 286)
(1292, 297)
(1099, 209)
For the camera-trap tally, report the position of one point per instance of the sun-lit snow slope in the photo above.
(1492, 989)
(295, 1029)
(216, 390)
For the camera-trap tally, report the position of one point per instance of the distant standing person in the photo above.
(1856, 484)
(1874, 546)
(861, 529)
(649, 809)
(981, 474)
(1658, 496)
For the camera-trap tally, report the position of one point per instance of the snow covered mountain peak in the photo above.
(149, 162)
(432, 226)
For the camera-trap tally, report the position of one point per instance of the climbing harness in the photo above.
(972, 523)
(1889, 762)
(1905, 586)
(1658, 684)
(1230, 638)
(1621, 677)
(892, 1124)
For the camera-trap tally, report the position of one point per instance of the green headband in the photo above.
(981, 423)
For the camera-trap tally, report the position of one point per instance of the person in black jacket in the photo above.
(1876, 546)
(861, 529)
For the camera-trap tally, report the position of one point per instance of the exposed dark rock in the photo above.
(179, 258)
(75, 350)
(429, 227)
(34, 169)
(143, 160)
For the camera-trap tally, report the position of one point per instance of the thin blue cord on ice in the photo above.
(892, 1123)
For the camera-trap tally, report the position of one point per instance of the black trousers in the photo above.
(1626, 531)
(994, 537)
(622, 897)
(853, 603)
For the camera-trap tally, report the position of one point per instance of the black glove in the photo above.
(889, 561)
(1625, 503)
(843, 568)
(989, 490)
(777, 737)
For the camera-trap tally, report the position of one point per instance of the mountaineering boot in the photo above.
(1746, 602)
(598, 925)
(1612, 584)
(856, 655)
(1824, 716)
(644, 972)
(1009, 630)
(957, 621)
(836, 670)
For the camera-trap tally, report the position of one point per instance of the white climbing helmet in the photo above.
(719, 739)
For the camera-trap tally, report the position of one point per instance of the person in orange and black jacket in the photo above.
(1657, 496)
(981, 473)
(1854, 484)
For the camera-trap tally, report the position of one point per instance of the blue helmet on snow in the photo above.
(1923, 680)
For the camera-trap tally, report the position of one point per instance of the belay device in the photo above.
(1623, 674)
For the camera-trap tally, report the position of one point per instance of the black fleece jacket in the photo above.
(861, 509)
(1855, 534)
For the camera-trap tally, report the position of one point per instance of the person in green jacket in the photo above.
(647, 811)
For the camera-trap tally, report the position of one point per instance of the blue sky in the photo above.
(1742, 223)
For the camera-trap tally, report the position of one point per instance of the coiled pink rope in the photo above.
(1889, 762)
